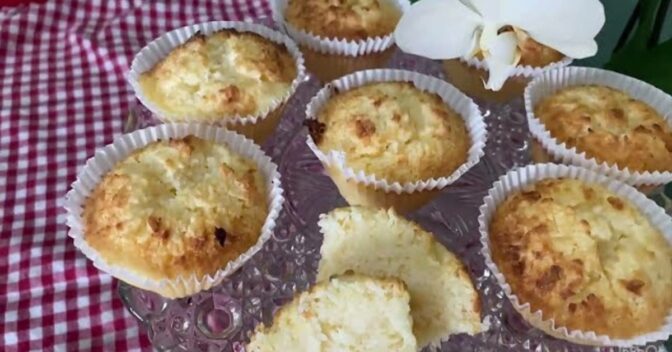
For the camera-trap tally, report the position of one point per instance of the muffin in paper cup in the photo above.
(167, 251)
(490, 51)
(634, 96)
(521, 198)
(369, 111)
(335, 41)
(182, 76)
(468, 76)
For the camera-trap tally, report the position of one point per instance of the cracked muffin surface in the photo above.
(344, 19)
(177, 208)
(221, 75)
(584, 256)
(610, 126)
(393, 130)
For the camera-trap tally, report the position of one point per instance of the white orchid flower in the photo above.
(449, 29)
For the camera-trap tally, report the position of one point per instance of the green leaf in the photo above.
(638, 53)
(651, 66)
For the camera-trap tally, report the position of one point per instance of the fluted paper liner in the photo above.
(517, 179)
(106, 158)
(520, 70)
(552, 81)
(335, 46)
(459, 102)
(161, 47)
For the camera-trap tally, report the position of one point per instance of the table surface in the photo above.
(63, 94)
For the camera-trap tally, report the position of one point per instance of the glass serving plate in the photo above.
(222, 318)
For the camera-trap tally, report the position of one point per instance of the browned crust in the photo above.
(367, 122)
(356, 20)
(535, 54)
(144, 240)
(610, 126)
(554, 258)
(273, 61)
(532, 53)
(315, 129)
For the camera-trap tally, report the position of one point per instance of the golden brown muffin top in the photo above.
(610, 126)
(179, 207)
(344, 19)
(532, 53)
(535, 54)
(583, 256)
(224, 74)
(393, 130)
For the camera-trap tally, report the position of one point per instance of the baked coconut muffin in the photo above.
(394, 131)
(221, 76)
(380, 243)
(361, 23)
(349, 20)
(469, 78)
(583, 256)
(610, 126)
(347, 313)
(176, 208)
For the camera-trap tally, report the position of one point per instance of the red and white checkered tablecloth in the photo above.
(63, 94)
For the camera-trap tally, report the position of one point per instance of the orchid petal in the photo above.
(474, 46)
(489, 10)
(573, 49)
(437, 29)
(568, 26)
(501, 56)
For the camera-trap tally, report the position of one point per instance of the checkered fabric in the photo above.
(62, 95)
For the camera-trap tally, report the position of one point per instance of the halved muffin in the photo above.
(346, 313)
(380, 243)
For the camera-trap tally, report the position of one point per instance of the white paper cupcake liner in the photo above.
(160, 47)
(517, 179)
(335, 46)
(106, 158)
(552, 81)
(459, 102)
(520, 71)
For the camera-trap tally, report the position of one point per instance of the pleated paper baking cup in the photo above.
(335, 46)
(161, 47)
(552, 81)
(452, 97)
(106, 158)
(520, 70)
(517, 179)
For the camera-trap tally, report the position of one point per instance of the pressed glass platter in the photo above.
(222, 318)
